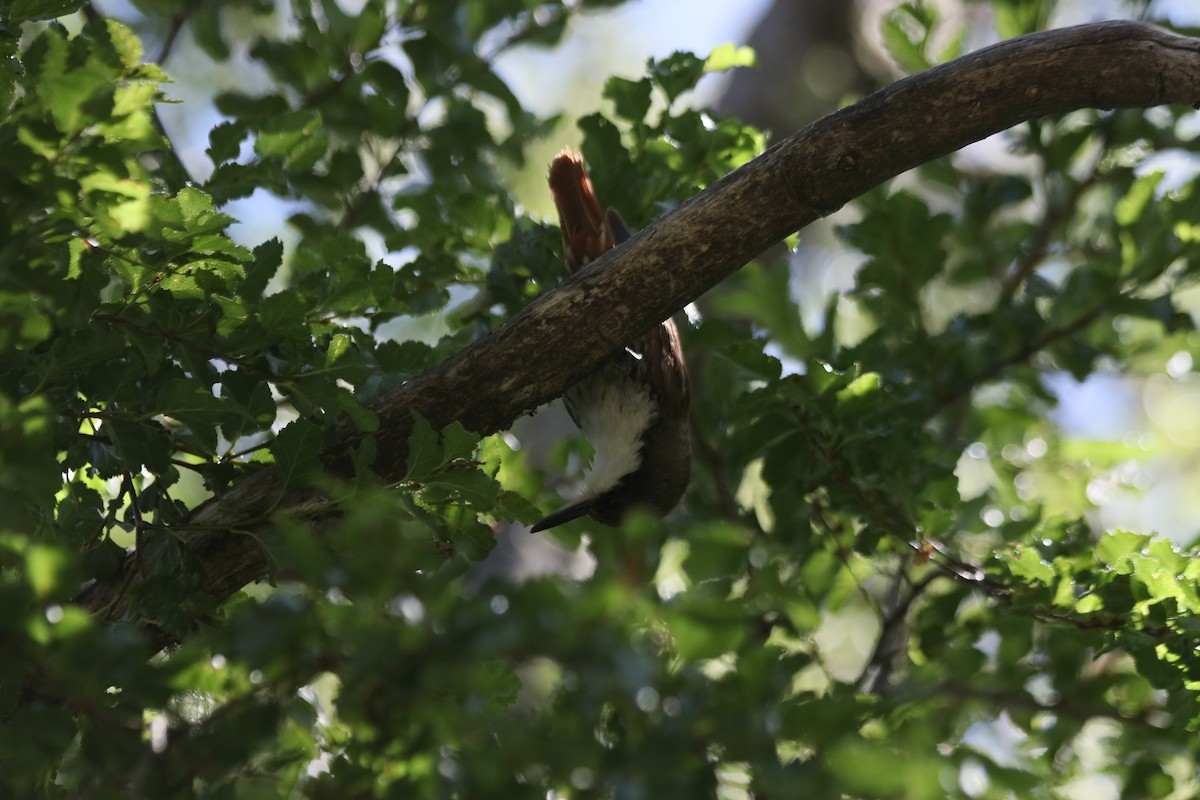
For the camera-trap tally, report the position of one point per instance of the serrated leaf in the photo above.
(728, 56)
(1115, 548)
(67, 96)
(1027, 563)
(104, 181)
(268, 256)
(126, 43)
(470, 484)
(199, 216)
(137, 444)
(676, 74)
(30, 10)
(225, 142)
(196, 407)
(364, 418)
(297, 450)
(424, 450)
(631, 99)
(339, 343)
(282, 311)
(297, 138)
(458, 442)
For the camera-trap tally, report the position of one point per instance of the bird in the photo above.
(634, 408)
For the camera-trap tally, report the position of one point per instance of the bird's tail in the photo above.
(585, 231)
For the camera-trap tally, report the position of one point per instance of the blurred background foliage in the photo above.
(939, 440)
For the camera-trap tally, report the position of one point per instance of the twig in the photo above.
(177, 22)
(892, 642)
(1038, 247)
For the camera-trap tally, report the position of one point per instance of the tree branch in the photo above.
(537, 354)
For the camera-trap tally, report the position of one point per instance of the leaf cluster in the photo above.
(891, 555)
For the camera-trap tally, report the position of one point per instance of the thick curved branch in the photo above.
(537, 354)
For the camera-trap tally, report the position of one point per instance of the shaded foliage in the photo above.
(887, 552)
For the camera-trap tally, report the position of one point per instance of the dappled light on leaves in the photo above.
(939, 540)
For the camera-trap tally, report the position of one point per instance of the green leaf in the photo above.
(631, 99)
(68, 97)
(297, 450)
(906, 32)
(267, 258)
(706, 630)
(29, 10)
(339, 343)
(841, 411)
(424, 450)
(137, 444)
(714, 551)
(52, 572)
(197, 408)
(876, 769)
(676, 74)
(1132, 206)
(205, 23)
(1027, 563)
(282, 311)
(199, 216)
(1116, 547)
(470, 485)
(728, 56)
(1018, 17)
(126, 43)
(225, 141)
(458, 442)
(297, 138)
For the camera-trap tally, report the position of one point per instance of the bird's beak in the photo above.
(580, 508)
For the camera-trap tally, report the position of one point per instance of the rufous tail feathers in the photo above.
(586, 234)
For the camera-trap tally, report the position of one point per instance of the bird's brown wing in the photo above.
(660, 346)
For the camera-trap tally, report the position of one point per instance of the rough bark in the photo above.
(537, 354)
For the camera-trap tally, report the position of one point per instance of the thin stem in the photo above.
(177, 22)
